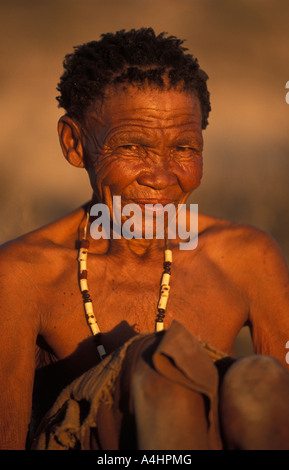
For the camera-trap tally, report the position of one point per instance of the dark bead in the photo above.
(98, 339)
(167, 267)
(84, 243)
(86, 296)
(161, 314)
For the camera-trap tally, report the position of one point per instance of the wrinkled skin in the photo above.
(145, 145)
(144, 153)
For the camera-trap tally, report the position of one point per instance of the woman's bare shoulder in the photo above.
(247, 241)
(29, 251)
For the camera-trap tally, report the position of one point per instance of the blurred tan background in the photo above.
(243, 46)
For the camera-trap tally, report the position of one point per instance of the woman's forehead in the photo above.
(144, 106)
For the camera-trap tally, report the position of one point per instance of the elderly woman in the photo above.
(138, 333)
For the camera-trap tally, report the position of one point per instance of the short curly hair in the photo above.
(136, 57)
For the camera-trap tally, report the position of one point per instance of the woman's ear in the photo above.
(70, 141)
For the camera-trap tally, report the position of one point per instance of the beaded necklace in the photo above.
(87, 302)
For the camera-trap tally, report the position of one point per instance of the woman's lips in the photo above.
(152, 206)
(142, 202)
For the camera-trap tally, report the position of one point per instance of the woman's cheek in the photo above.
(120, 174)
(108, 175)
(190, 175)
(198, 174)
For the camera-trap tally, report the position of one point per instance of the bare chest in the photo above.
(210, 306)
(211, 312)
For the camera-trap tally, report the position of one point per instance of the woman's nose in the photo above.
(157, 177)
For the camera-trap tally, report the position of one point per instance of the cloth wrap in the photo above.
(89, 414)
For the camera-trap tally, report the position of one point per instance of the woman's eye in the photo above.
(184, 149)
(131, 150)
(129, 147)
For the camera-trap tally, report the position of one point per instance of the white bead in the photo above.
(82, 265)
(88, 308)
(83, 285)
(168, 256)
(165, 291)
(82, 255)
(163, 303)
(159, 326)
(165, 279)
(94, 328)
